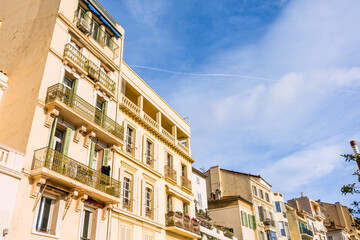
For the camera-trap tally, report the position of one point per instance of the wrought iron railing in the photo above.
(175, 219)
(185, 182)
(86, 24)
(170, 173)
(148, 212)
(85, 109)
(90, 67)
(269, 222)
(68, 167)
(127, 204)
(306, 231)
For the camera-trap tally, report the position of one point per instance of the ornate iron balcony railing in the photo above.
(185, 182)
(90, 67)
(68, 167)
(83, 108)
(170, 173)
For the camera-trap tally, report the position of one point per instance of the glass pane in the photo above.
(46, 215)
(68, 82)
(86, 223)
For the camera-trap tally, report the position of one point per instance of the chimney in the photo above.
(302, 194)
(356, 150)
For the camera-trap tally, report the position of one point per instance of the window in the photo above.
(44, 215)
(197, 180)
(126, 193)
(267, 197)
(148, 152)
(169, 160)
(277, 207)
(185, 209)
(282, 228)
(249, 220)
(68, 83)
(169, 203)
(125, 233)
(199, 201)
(261, 194)
(148, 209)
(88, 223)
(95, 159)
(58, 140)
(130, 140)
(287, 229)
(254, 191)
(330, 238)
(183, 170)
(47, 214)
(148, 236)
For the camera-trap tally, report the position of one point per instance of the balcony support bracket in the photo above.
(105, 211)
(36, 186)
(80, 131)
(80, 201)
(88, 138)
(50, 115)
(68, 200)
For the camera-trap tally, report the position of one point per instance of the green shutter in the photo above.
(104, 107)
(249, 220)
(74, 86)
(106, 153)
(67, 141)
(52, 132)
(242, 218)
(254, 222)
(92, 150)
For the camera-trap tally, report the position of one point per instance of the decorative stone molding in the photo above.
(36, 186)
(88, 138)
(105, 211)
(50, 115)
(80, 201)
(79, 132)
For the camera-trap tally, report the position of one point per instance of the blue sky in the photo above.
(275, 86)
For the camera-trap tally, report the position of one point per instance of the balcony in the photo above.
(63, 170)
(90, 68)
(84, 22)
(184, 148)
(148, 212)
(170, 173)
(182, 225)
(306, 232)
(269, 222)
(168, 135)
(74, 108)
(130, 106)
(185, 183)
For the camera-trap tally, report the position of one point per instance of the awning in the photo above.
(107, 23)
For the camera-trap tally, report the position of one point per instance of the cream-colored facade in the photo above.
(223, 183)
(339, 221)
(104, 156)
(314, 216)
(282, 223)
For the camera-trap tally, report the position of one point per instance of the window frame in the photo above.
(91, 211)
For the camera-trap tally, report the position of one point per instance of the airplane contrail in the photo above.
(203, 74)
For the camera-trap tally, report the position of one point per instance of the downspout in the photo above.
(109, 225)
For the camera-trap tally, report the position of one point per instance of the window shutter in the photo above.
(106, 153)
(128, 234)
(143, 198)
(121, 180)
(94, 224)
(249, 220)
(137, 145)
(144, 149)
(67, 141)
(156, 192)
(75, 85)
(52, 132)
(246, 222)
(261, 213)
(92, 150)
(135, 194)
(242, 218)
(104, 107)
(156, 156)
(254, 222)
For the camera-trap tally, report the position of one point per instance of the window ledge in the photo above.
(45, 235)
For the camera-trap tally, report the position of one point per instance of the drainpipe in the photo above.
(356, 151)
(108, 225)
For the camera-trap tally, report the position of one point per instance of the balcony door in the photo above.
(100, 111)
(58, 142)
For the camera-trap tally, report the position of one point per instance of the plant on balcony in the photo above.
(170, 213)
(187, 216)
(178, 214)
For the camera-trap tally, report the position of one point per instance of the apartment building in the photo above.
(256, 216)
(313, 215)
(208, 229)
(298, 224)
(280, 216)
(339, 221)
(104, 156)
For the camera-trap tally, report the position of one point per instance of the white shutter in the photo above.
(142, 198)
(156, 197)
(135, 194)
(121, 177)
(137, 145)
(156, 156)
(128, 233)
(143, 150)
